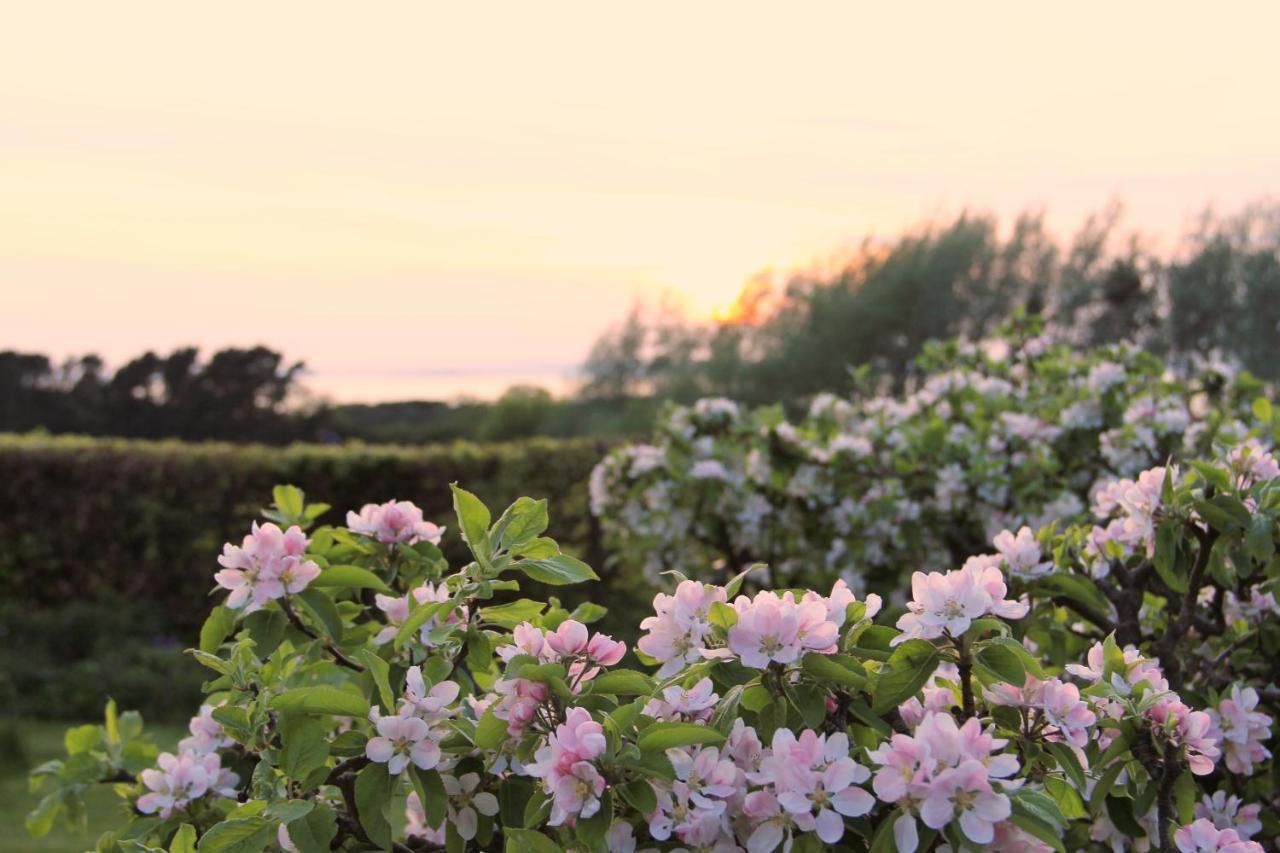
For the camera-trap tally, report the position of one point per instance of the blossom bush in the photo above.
(1097, 685)
(1014, 431)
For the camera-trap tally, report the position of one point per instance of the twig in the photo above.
(338, 656)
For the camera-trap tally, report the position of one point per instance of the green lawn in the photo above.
(43, 741)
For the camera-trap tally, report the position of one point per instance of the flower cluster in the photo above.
(413, 735)
(947, 604)
(945, 772)
(394, 523)
(1022, 704)
(564, 765)
(267, 565)
(1240, 729)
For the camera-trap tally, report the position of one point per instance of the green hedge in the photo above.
(108, 547)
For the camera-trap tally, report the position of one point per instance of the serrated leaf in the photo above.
(216, 628)
(350, 577)
(908, 668)
(473, 522)
(557, 570)
(373, 791)
(510, 615)
(623, 682)
(305, 746)
(660, 737)
(238, 835)
(320, 699)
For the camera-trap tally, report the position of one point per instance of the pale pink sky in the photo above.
(424, 200)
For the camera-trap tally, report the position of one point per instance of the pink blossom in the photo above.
(430, 704)
(465, 804)
(1190, 731)
(569, 639)
(948, 604)
(397, 610)
(1227, 812)
(401, 741)
(774, 628)
(1203, 837)
(207, 734)
(575, 793)
(964, 792)
(394, 522)
(605, 650)
(1022, 554)
(179, 779)
(1240, 730)
(267, 565)
(677, 633)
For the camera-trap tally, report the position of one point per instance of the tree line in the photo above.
(1216, 292)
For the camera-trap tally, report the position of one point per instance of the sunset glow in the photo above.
(469, 188)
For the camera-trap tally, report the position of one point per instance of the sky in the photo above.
(427, 200)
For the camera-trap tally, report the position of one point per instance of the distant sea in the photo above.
(353, 386)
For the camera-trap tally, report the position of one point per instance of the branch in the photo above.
(338, 656)
(1086, 612)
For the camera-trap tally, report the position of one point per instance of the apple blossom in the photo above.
(394, 522)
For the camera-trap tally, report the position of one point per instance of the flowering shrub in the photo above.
(1104, 685)
(1015, 431)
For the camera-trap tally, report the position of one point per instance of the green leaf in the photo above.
(380, 671)
(184, 840)
(835, 669)
(1066, 797)
(588, 612)
(908, 668)
(810, 701)
(349, 577)
(523, 522)
(213, 662)
(557, 570)
(238, 835)
(216, 628)
(491, 732)
(315, 832)
(722, 615)
(473, 522)
(80, 739)
(305, 745)
(430, 788)
(1259, 541)
(640, 795)
(320, 699)
(1075, 587)
(1185, 794)
(660, 737)
(323, 612)
(529, 841)
(623, 682)
(289, 500)
(287, 811)
(1166, 558)
(1213, 475)
(418, 617)
(1003, 664)
(735, 583)
(510, 615)
(1262, 410)
(1069, 762)
(373, 801)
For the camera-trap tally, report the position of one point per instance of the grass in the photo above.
(38, 742)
